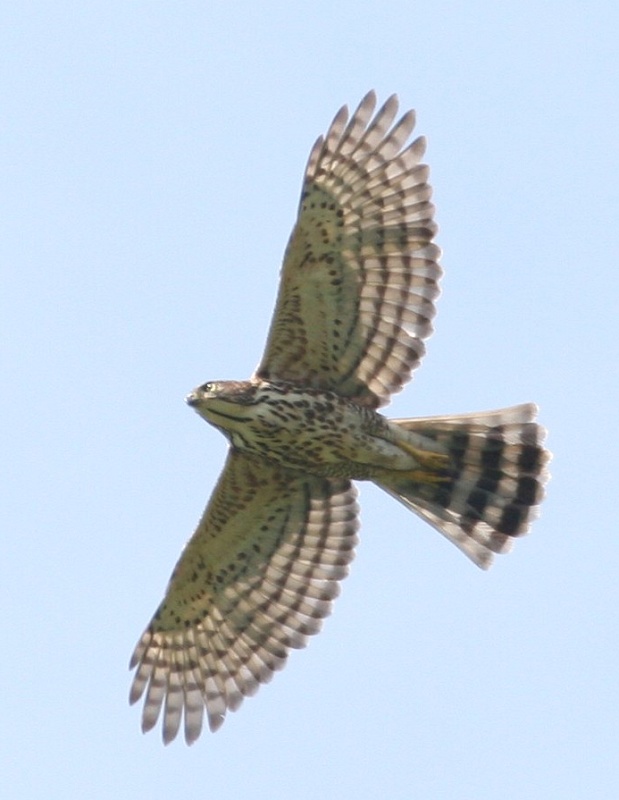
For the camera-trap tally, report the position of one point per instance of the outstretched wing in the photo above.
(360, 273)
(255, 580)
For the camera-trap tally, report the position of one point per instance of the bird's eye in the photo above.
(209, 388)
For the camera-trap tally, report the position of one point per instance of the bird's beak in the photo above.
(192, 399)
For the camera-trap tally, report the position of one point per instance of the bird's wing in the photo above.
(360, 273)
(255, 580)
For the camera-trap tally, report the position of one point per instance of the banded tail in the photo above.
(488, 489)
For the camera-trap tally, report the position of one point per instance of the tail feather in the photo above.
(491, 488)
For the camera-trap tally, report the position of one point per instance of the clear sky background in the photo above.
(151, 157)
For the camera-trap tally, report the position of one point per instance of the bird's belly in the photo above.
(337, 440)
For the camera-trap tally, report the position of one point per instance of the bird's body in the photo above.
(301, 428)
(355, 303)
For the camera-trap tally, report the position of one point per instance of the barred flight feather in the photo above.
(495, 482)
(365, 221)
(227, 637)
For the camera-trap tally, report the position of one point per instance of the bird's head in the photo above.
(225, 404)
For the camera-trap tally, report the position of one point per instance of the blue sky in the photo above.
(151, 158)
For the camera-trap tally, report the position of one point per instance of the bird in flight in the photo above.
(355, 304)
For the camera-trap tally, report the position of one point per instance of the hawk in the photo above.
(356, 301)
